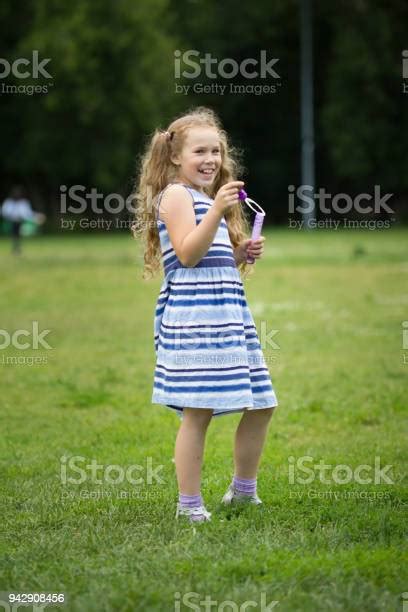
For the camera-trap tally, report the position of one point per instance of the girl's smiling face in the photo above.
(200, 158)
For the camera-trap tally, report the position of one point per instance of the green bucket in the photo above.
(28, 228)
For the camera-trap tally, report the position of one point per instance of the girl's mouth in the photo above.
(207, 171)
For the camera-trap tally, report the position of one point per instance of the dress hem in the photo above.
(168, 403)
(180, 412)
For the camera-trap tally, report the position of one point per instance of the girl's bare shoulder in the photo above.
(176, 199)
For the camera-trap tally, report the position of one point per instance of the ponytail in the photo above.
(159, 161)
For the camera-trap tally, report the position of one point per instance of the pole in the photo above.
(307, 122)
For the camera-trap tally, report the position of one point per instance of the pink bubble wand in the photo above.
(258, 221)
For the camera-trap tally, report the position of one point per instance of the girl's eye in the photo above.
(215, 151)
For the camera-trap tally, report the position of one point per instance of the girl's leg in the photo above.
(189, 449)
(249, 441)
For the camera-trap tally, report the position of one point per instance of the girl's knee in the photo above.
(199, 417)
(264, 413)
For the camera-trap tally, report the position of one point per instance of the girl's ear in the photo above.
(175, 160)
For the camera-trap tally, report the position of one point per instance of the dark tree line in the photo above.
(112, 67)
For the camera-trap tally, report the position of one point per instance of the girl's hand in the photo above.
(249, 248)
(227, 196)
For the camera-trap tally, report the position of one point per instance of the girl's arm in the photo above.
(189, 240)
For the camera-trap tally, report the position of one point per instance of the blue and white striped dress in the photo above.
(207, 347)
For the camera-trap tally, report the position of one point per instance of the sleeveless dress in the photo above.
(206, 343)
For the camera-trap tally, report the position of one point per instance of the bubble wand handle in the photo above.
(256, 232)
(258, 221)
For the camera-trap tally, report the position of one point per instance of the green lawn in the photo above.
(338, 300)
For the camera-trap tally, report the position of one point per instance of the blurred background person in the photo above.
(16, 210)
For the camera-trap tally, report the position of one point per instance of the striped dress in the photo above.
(206, 343)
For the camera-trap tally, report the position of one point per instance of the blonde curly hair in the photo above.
(156, 171)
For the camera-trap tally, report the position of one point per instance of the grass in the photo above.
(338, 300)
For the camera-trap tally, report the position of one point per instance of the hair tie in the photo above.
(168, 135)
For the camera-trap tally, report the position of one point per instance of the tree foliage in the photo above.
(113, 82)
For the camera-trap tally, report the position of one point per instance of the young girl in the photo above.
(209, 359)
